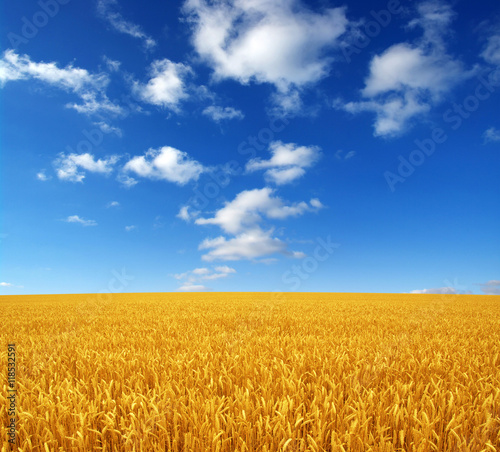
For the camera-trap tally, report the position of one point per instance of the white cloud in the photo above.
(120, 24)
(113, 204)
(166, 86)
(219, 113)
(491, 135)
(107, 128)
(287, 162)
(95, 103)
(69, 167)
(406, 80)
(280, 42)
(112, 65)
(130, 228)
(166, 163)
(242, 217)
(6, 284)
(89, 87)
(250, 244)
(441, 290)
(126, 180)
(245, 211)
(191, 279)
(193, 288)
(186, 214)
(315, 202)
(82, 221)
(42, 175)
(201, 271)
(491, 53)
(491, 287)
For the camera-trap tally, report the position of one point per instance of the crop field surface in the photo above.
(253, 372)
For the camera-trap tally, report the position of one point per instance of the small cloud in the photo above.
(167, 84)
(491, 287)
(6, 284)
(112, 65)
(71, 167)
(315, 202)
(287, 162)
(106, 128)
(186, 214)
(43, 176)
(130, 228)
(491, 135)
(440, 290)
(166, 163)
(219, 113)
(107, 10)
(113, 204)
(193, 288)
(225, 269)
(192, 279)
(126, 180)
(82, 221)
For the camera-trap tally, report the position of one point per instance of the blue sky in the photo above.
(250, 145)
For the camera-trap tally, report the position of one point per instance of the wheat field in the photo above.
(253, 372)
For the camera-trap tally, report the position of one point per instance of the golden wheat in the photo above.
(254, 372)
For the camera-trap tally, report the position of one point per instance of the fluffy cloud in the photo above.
(191, 279)
(242, 217)
(219, 113)
(491, 135)
(279, 42)
(491, 287)
(89, 87)
(287, 162)
(166, 163)
(113, 204)
(6, 284)
(120, 24)
(82, 221)
(246, 210)
(69, 167)
(247, 245)
(408, 79)
(166, 86)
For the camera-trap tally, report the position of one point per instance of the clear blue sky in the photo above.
(250, 145)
